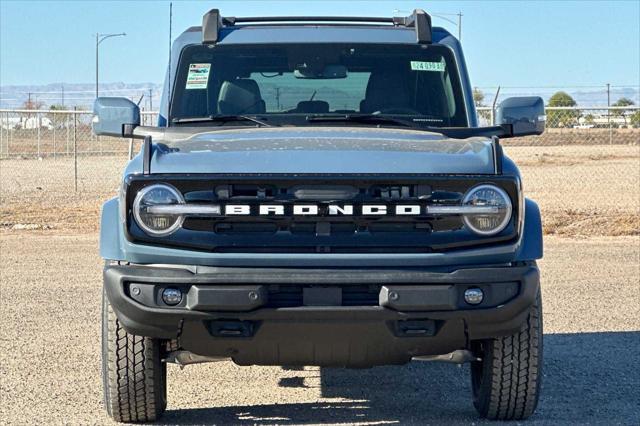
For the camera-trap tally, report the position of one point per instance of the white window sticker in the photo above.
(427, 66)
(198, 76)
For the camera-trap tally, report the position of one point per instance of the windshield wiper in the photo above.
(450, 132)
(362, 118)
(222, 119)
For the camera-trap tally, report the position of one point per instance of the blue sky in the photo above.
(528, 44)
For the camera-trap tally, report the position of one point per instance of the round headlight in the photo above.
(157, 224)
(487, 196)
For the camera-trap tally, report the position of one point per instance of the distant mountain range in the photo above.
(82, 95)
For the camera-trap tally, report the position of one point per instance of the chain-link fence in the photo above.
(36, 134)
(584, 171)
(43, 134)
(580, 126)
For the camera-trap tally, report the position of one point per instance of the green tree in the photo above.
(562, 118)
(589, 119)
(634, 119)
(622, 102)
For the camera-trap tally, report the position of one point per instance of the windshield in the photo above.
(289, 84)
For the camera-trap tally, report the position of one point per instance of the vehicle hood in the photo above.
(319, 150)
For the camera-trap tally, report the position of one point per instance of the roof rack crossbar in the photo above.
(212, 22)
(242, 20)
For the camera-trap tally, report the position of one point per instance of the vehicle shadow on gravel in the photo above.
(588, 378)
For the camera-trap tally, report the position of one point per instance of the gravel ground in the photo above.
(50, 362)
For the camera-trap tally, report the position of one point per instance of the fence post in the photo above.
(66, 126)
(38, 124)
(609, 113)
(8, 135)
(75, 149)
(4, 123)
(493, 106)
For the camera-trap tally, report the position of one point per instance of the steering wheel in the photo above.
(398, 110)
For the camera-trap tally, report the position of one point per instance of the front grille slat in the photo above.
(291, 296)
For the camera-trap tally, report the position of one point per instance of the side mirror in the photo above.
(525, 115)
(115, 117)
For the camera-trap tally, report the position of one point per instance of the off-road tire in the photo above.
(506, 383)
(133, 374)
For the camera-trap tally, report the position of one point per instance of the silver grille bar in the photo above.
(216, 210)
(185, 209)
(445, 210)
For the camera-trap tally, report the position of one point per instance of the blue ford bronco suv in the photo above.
(318, 192)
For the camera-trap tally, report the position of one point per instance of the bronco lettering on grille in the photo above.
(323, 210)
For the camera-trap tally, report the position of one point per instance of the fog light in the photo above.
(171, 296)
(473, 296)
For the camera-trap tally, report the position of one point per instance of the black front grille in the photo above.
(323, 233)
(291, 296)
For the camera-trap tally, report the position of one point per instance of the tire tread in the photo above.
(134, 377)
(511, 372)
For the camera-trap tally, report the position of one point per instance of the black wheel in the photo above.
(506, 383)
(134, 377)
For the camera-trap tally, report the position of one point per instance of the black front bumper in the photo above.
(326, 317)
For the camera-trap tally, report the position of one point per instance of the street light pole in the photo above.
(97, 44)
(99, 39)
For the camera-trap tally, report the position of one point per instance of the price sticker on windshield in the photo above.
(427, 66)
(198, 76)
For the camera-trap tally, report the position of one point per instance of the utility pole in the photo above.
(29, 101)
(62, 97)
(493, 106)
(150, 99)
(99, 39)
(459, 25)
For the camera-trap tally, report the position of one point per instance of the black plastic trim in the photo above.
(146, 155)
(164, 322)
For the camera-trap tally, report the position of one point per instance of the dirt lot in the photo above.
(49, 351)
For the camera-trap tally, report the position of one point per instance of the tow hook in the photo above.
(183, 358)
(460, 356)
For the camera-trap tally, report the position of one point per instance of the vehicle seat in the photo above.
(312, 107)
(240, 96)
(385, 90)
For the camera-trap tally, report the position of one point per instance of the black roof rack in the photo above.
(212, 22)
